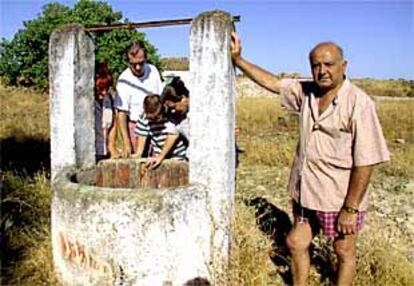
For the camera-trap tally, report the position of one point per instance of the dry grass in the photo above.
(393, 88)
(382, 261)
(26, 257)
(397, 119)
(250, 263)
(175, 64)
(268, 136)
(24, 113)
(269, 141)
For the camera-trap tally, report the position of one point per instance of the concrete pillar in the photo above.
(71, 79)
(212, 113)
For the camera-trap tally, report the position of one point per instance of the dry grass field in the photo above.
(268, 138)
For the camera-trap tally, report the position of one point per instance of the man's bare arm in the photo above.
(113, 152)
(360, 177)
(122, 124)
(254, 72)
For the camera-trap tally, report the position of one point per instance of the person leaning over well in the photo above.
(340, 141)
(154, 125)
(175, 98)
(134, 83)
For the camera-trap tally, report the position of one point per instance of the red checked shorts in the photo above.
(325, 221)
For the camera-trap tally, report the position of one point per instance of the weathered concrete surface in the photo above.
(104, 236)
(212, 113)
(71, 80)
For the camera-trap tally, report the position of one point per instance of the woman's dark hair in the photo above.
(174, 91)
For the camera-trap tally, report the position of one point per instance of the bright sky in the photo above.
(377, 36)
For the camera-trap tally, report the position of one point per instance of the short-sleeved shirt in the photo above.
(158, 132)
(347, 134)
(131, 90)
(181, 127)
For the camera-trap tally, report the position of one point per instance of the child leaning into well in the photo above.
(155, 124)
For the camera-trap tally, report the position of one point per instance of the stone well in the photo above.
(117, 223)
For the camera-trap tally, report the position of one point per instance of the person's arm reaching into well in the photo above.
(254, 72)
(140, 146)
(154, 162)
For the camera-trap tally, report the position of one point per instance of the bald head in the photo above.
(330, 45)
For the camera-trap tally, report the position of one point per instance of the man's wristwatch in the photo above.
(350, 210)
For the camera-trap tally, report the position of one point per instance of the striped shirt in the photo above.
(158, 132)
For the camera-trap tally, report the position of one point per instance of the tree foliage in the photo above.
(24, 59)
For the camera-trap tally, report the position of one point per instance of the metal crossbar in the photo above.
(150, 24)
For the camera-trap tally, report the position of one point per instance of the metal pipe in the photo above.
(150, 24)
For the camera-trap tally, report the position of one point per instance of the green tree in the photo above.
(24, 59)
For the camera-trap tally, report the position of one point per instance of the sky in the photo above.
(377, 36)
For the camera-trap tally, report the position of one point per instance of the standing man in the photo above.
(134, 83)
(340, 142)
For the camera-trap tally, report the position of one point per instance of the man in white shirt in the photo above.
(134, 83)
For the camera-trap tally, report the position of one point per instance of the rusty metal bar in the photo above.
(151, 24)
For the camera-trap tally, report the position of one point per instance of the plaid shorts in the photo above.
(322, 220)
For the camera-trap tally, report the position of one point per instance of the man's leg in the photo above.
(345, 249)
(298, 242)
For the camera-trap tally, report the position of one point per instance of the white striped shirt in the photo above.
(158, 132)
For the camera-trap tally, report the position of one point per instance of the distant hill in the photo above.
(175, 63)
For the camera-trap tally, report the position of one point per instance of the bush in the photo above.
(24, 59)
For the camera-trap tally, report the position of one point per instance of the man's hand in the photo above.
(347, 222)
(127, 151)
(255, 73)
(114, 154)
(153, 162)
(135, 156)
(235, 47)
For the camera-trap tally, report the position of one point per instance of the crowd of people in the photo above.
(340, 141)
